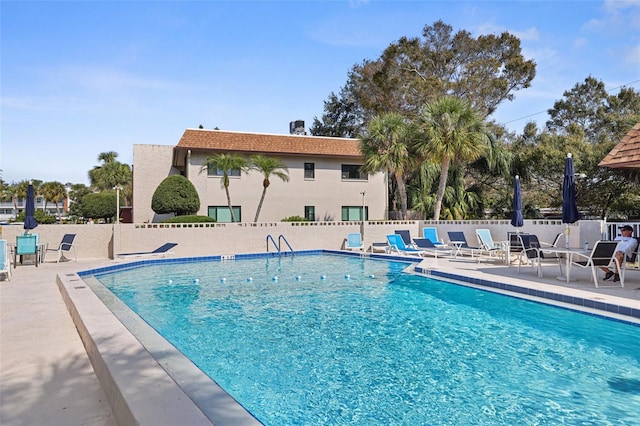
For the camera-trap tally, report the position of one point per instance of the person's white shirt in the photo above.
(627, 245)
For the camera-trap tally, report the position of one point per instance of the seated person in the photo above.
(626, 247)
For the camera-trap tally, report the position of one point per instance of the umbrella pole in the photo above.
(567, 231)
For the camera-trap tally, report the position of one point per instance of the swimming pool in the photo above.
(327, 339)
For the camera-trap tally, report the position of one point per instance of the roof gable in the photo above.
(250, 143)
(626, 153)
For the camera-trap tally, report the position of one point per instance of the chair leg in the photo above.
(595, 275)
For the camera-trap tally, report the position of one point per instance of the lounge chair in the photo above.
(405, 234)
(354, 242)
(458, 241)
(426, 245)
(161, 251)
(26, 245)
(432, 235)
(489, 247)
(66, 245)
(396, 243)
(5, 260)
(600, 255)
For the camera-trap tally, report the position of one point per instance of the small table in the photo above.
(567, 254)
(457, 245)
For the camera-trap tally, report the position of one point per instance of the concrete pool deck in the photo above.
(46, 376)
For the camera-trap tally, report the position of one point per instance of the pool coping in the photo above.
(167, 388)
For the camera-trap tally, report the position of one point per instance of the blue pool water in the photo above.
(326, 339)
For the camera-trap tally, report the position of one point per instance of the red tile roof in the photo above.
(626, 154)
(219, 140)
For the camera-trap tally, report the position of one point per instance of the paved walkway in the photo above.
(45, 374)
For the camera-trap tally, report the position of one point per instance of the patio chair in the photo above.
(405, 234)
(66, 245)
(5, 260)
(396, 243)
(354, 242)
(489, 247)
(432, 234)
(459, 242)
(162, 251)
(530, 248)
(600, 255)
(554, 244)
(631, 262)
(426, 245)
(26, 245)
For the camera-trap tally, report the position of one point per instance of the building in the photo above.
(325, 182)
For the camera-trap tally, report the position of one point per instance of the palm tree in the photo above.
(452, 132)
(386, 146)
(54, 192)
(110, 174)
(268, 166)
(226, 163)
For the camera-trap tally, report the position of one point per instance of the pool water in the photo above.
(328, 339)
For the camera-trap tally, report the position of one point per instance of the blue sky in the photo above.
(83, 77)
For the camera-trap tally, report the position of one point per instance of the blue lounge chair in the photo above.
(430, 248)
(162, 251)
(396, 243)
(354, 242)
(459, 242)
(66, 245)
(432, 235)
(405, 234)
(5, 260)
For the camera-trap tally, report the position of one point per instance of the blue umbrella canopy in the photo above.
(570, 212)
(516, 215)
(30, 210)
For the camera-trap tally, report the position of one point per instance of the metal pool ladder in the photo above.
(278, 245)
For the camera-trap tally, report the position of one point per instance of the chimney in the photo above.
(297, 127)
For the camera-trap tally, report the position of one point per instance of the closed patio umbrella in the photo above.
(570, 212)
(30, 209)
(516, 215)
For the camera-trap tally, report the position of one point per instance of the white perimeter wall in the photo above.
(102, 241)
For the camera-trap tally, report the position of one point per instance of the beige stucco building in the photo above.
(325, 183)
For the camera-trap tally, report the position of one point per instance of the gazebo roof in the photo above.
(626, 154)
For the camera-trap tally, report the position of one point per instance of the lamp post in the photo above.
(118, 188)
(362, 216)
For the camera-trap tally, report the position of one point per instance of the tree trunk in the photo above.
(444, 174)
(264, 192)
(233, 215)
(402, 189)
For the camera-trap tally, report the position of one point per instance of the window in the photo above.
(354, 213)
(222, 214)
(310, 213)
(309, 170)
(352, 171)
(212, 170)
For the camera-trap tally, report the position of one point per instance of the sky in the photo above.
(78, 78)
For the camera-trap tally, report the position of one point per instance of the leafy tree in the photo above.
(99, 205)
(452, 132)
(54, 192)
(342, 117)
(412, 72)
(175, 194)
(268, 166)
(226, 163)
(76, 193)
(386, 146)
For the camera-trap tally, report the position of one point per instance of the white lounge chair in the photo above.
(5, 260)
(162, 251)
(489, 247)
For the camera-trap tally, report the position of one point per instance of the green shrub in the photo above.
(175, 194)
(188, 219)
(294, 219)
